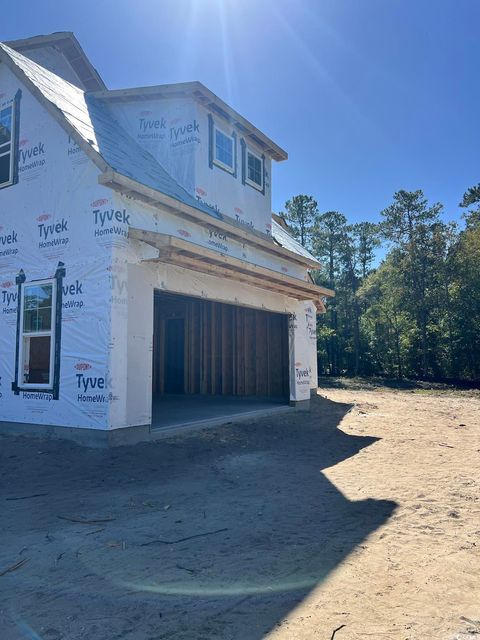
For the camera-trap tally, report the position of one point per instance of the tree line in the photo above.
(413, 313)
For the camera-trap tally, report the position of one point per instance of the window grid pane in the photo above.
(36, 340)
(37, 308)
(255, 169)
(223, 148)
(5, 125)
(5, 172)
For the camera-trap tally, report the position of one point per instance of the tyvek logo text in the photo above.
(151, 128)
(7, 240)
(72, 295)
(31, 157)
(8, 297)
(92, 388)
(185, 134)
(302, 375)
(217, 239)
(110, 221)
(52, 234)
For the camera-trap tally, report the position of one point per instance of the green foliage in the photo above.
(300, 213)
(464, 266)
(417, 313)
(472, 196)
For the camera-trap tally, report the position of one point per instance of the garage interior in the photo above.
(212, 359)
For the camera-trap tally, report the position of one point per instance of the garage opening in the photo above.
(212, 359)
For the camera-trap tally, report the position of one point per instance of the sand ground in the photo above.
(361, 516)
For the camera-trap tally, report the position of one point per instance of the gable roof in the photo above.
(125, 165)
(80, 70)
(91, 124)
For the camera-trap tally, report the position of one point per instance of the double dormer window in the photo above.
(223, 154)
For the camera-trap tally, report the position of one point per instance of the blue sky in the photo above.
(367, 96)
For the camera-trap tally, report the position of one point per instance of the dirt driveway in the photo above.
(362, 516)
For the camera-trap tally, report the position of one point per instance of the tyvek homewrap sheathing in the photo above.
(132, 315)
(176, 132)
(43, 222)
(98, 129)
(59, 213)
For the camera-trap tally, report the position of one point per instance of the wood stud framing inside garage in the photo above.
(228, 350)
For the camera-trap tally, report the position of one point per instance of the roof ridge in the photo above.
(95, 129)
(68, 45)
(13, 53)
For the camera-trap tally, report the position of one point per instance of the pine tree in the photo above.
(300, 213)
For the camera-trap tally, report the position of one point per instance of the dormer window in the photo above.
(224, 151)
(253, 169)
(9, 142)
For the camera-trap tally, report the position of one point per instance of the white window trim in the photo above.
(12, 151)
(217, 162)
(51, 333)
(253, 184)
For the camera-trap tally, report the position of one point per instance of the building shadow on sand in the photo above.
(228, 530)
(292, 528)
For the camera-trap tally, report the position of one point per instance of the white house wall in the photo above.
(46, 218)
(303, 351)
(176, 133)
(132, 332)
(242, 202)
(155, 126)
(152, 219)
(136, 276)
(59, 212)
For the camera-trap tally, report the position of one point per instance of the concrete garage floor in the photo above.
(176, 411)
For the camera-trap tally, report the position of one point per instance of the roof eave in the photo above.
(203, 96)
(61, 39)
(55, 112)
(136, 190)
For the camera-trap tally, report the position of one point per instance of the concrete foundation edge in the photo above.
(104, 439)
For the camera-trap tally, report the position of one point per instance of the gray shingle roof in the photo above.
(93, 121)
(95, 124)
(287, 241)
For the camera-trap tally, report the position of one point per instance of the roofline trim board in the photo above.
(56, 39)
(128, 186)
(188, 254)
(201, 94)
(132, 188)
(55, 112)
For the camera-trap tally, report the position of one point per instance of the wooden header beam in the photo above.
(134, 189)
(193, 256)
